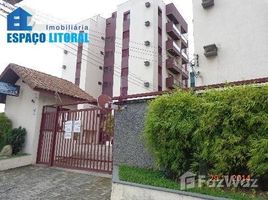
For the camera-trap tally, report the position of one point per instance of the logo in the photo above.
(190, 180)
(20, 30)
(19, 20)
(187, 180)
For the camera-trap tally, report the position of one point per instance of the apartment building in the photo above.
(142, 47)
(83, 63)
(230, 39)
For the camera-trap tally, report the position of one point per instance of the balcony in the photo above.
(184, 40)
(171, 83)
(185, 73)
(173, 31)
(174, 15)
(185, 57)
(173, 48)
(173, 66)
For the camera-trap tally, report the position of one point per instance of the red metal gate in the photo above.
(89, 149)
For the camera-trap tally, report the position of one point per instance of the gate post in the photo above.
(53, 143)
(39, 148)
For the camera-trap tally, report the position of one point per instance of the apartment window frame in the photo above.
(127, 16)
(125, 53)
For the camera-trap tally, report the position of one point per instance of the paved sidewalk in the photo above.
(32, 183)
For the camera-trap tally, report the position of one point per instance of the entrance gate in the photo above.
(86, 146)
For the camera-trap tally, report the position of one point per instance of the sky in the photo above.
(48, 57)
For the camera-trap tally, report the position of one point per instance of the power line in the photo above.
(117, 73)
(130, 74)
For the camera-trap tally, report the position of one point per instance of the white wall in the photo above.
(91, 59)
(26, 111)
(128, 192)
(93, 73)
(239, 29)
(138, 51)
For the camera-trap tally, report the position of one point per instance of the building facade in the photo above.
(230, 39)
(142, 47)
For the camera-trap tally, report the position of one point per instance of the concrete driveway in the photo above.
(34, 182)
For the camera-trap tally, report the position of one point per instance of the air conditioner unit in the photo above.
(64, 66)
(147, 84)
(207, 3)
(147, 23)
(147, 4)
(147, 63)
(65, 52)
(147, 43)
(211, 50)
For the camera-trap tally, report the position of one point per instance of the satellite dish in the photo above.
(104, 101)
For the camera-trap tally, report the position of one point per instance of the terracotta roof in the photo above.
(41, 81)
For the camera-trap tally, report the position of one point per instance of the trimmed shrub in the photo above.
(16, 139)
(222, 131)
(169, 127)
(5, 127)
(232, 119)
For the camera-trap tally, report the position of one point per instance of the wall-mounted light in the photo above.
(147, 84)
(147, 4)
(147, 23)
(147, 43)
(147, 63)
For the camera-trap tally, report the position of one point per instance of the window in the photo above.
(124, 91)
(124, 71)
(159, 69)
(159, 50)
(159, 12)
(127, 16)
(159, 31)
(108, 54)
(125, 34)
(125, 53)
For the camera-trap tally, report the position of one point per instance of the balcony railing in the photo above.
(176, 46)
(185, 54)
(185, 57)
(176, 29)
(184, 38)
(171, 83)
(171, 31)
(172, 48)
(173, 66)
(185, 72)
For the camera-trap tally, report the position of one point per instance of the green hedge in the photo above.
(5, 127)
(223, 131)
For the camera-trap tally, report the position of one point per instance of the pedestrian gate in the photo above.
(76, 139)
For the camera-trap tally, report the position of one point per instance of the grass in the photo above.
(157, 179)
